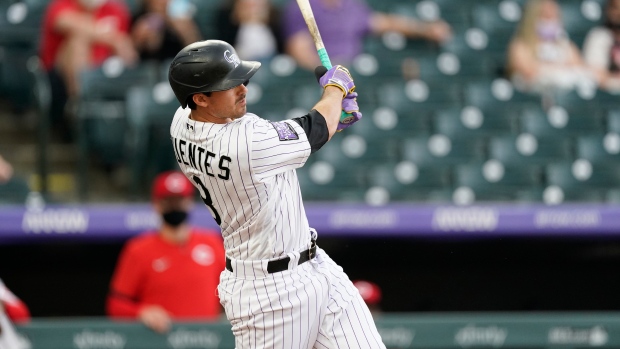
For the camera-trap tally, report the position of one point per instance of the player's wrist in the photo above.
(334, 90)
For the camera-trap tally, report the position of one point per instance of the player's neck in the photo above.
(175, 235)
(202, 116)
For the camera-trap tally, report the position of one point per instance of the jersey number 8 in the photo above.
(206, 198)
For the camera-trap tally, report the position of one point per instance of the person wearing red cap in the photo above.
(172, 273)
(371, 294)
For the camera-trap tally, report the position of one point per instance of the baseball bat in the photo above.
(306, 12)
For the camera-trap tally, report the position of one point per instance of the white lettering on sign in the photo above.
(185, 339)
(99, 340)
(363, 219)
(595, 336)
(55, 221)
(465, 219)
(481, 336)
(567, 219)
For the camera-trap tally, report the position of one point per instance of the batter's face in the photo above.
(225, 106)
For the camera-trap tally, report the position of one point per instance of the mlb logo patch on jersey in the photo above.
(285, 131)
(189, 127)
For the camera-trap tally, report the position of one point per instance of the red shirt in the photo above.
(180, 278)
(113, 15)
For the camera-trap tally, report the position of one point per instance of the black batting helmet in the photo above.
(207, 66)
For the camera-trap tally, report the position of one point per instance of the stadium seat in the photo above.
(613, 121)
(18, 67)
(405, 181)
(320, 181)
(497, 94)
(20, 23)
(599, 149)
(470, 122)
(112, 80)
(528, 149)
(150, 109)
(494, 181)
(499, 20)
(385, 123)
(439, 150)
(580, 180)
(559, 122)
(418, 95)
(15, 191)
(351, 150)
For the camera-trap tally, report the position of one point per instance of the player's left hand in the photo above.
(352, 110)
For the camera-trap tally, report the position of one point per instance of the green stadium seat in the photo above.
(613, 121)
(351, 150)
(494, 181)
(439, 150)
(113, 80)
(101, 131)
(575, 21)
(599, 149)
(496, 16)
(18, 69)
(471, 122)
(405, 181)
(498, 94)
(582, 180)
(150, 110)
(321, 181)
(20, 23)
(419, 95)
(15, 191)
(558, 122)
(528, 149)
(386, 124)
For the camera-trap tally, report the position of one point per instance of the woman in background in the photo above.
(541, 56)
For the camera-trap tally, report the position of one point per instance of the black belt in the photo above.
(282, 264)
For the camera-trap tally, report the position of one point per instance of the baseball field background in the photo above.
(488, 217)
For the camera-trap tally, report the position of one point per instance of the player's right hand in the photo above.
(155, 318)
(337, 76)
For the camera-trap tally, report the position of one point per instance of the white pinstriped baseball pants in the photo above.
(310, 306)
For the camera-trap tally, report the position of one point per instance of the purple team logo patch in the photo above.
(285, 131)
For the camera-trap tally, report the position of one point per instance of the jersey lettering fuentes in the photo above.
(245, 173)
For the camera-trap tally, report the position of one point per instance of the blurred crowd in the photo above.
(81, 35)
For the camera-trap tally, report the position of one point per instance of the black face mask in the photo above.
(174, 218)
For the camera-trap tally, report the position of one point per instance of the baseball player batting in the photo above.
(279, 289)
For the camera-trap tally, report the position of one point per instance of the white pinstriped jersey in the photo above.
(245, 172)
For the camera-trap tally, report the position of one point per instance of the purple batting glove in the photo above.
(349, 105)
(337, 76)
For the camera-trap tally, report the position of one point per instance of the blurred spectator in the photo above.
(343, 25)
(12, 310)
(163, 27)
(601, 48)
(541, 56)
(6, 171)
(172, 273)
(77, 35)
(252, 27)
(371, 294)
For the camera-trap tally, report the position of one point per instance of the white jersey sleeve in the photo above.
(278, 147)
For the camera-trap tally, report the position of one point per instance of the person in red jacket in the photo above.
(172, 273)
